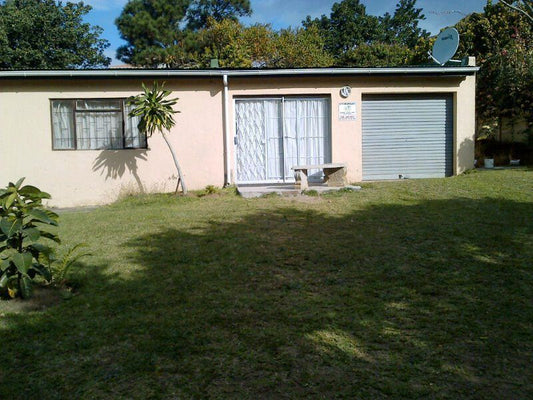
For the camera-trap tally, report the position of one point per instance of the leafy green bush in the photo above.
(22, 255)
(60, 266)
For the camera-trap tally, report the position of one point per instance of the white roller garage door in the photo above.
(407, 136)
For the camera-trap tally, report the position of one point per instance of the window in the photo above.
(94, 124)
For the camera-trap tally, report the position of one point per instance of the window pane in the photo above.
(98, 104)
(94, 124)
(132, 137)
(63, 124)
(99, 130)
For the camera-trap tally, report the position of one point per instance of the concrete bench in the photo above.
(334, 174)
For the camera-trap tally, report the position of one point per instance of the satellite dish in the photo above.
(445, 46)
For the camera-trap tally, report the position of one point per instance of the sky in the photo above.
(284, 13)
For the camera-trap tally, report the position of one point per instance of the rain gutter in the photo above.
(293, 72)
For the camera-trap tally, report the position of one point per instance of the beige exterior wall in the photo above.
(346, 136)
(83, 177)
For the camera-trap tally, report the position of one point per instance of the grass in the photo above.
(411, 289)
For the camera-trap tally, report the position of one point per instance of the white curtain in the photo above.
(99, 129)
(291, 128)
(274, 139)
(63, 124)
(306, 126)
(132, 137)
(99, 104)
(99, 125)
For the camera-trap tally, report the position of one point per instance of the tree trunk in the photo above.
(180, 176)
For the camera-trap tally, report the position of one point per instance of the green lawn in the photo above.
(412, 289)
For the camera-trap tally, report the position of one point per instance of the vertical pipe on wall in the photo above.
(227, 177)
(283, 144)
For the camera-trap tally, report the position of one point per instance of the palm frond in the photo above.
(154, 109)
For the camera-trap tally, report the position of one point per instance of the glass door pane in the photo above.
(259, 147)
(273, 135)
(307, 134)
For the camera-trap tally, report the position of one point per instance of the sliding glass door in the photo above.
(275, 134)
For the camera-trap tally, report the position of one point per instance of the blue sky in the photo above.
(284, 13)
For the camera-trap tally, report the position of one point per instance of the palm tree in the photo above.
(157, 115)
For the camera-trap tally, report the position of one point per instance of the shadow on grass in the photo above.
(432, 300)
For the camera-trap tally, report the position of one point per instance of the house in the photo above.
(68, 132)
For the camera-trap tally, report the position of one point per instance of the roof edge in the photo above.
(209, 73)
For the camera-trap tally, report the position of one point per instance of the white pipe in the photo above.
(227, 174)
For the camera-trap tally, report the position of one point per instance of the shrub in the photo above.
(60, 266)
(22, 254)
(210, 189)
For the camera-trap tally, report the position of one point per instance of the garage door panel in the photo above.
(407, 135)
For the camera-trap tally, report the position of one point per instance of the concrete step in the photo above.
(251, 191)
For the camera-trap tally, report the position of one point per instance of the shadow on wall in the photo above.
(465, 156)
(115, 163)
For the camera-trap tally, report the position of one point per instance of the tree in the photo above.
(525, 7)
(347, 27)
(201, 10)
(355, 38)
(156, 114)
(300, 48)
(378, 55)
(45, 34)
(502, 42)
(163, 32)
(152, 32)
(402, 27)
(236, 46)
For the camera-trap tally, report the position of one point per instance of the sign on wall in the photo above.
(347, 111)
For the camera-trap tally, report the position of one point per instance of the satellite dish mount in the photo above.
(445, 46)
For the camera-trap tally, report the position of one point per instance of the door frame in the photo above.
(282, 98)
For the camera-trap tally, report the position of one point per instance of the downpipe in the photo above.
(227, 178)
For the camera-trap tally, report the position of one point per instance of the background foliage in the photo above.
(355, 38)
(163, 32)
(502, 41)
(237, 46)
(193, 32)
(45, 34)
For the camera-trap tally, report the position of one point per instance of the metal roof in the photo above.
(210, 73)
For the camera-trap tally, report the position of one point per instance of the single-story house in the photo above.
(68, 131)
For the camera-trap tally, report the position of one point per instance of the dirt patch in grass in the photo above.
(43, 298)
